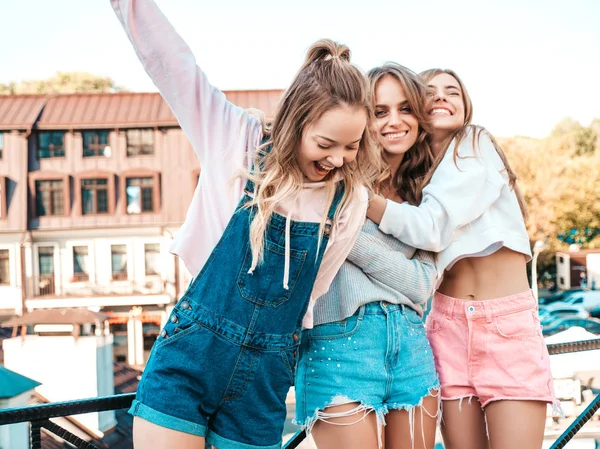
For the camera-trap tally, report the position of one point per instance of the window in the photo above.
(4, 267)
(140, 142)
(46, 269)
(46, 256)
(94, 143)
(1, 144)
(80, 263)
(141, 189)
(118, 257)
(3, 197)
(139, 193)
(49, 197)
(94, 196)
(152, 258)
(561, 259)
(51, 144)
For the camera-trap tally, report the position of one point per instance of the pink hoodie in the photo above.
(224, 138)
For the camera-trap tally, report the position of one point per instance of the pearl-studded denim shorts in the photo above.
(379, 358)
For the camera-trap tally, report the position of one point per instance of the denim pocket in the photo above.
(523, 324)
(264, 286)
(337, 329)
(178, 326)
(435, 323)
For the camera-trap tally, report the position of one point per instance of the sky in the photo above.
(527, 64)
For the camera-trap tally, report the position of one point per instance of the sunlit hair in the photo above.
(460, 134)
(326, 80)
(408, 180)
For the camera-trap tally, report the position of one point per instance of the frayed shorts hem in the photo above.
(547, 399)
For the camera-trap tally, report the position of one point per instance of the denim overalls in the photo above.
(224, 362)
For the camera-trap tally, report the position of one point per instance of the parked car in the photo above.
(560, 324)
(587, 299)
(560, 310)
(561, 296)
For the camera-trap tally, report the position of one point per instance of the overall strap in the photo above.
(339, 194)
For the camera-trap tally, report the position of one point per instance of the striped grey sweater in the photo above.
(379, 268)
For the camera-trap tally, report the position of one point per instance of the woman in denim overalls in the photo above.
(262, 245)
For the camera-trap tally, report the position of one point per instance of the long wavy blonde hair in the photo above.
(408, 180)
(461, 133)
(326, 80)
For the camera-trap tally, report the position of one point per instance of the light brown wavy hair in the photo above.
(408, 181)
(326, 80)
(460, 134)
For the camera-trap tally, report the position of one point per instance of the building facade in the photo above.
(93, 187)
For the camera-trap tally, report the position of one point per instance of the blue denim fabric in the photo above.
(379, 358)
(226, 358)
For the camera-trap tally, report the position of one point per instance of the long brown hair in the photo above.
(461, 133)
(408, 180)
(326, 80)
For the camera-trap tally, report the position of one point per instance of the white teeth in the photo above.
(439, 111)
(322, 167)
(396, 135)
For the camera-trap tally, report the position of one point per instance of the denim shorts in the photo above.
(209, 377)
(493, 349)
(379, 358)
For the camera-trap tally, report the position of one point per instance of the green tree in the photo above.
(64, 83)
(560, 180)
(574, 137)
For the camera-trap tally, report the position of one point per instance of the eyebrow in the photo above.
(402, 103)
(333, 141)
(445, 87)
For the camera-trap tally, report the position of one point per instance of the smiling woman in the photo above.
(375, 301)
(483, 327)
(265, 253)
(331, 142)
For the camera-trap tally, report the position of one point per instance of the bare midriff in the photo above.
(500, 274)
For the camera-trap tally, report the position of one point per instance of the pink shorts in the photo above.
(491, 350)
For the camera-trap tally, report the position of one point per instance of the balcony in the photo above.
(80, 291)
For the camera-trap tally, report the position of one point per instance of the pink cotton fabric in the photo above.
(492, 349)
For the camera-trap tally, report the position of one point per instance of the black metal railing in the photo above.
(39, 415)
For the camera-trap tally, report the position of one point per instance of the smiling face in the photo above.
(396, 126)
(445, 105)
(331, 141)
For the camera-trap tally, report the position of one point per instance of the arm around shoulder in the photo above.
(461, 190)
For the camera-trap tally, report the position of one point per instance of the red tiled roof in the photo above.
(19, 112)
(110, 110)
(120, 110)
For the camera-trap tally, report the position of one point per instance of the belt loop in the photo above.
(488, 312)
(361, 312)
(452, 304)
(402, 309)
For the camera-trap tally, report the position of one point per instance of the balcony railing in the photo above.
(39, 416)
(46, 286)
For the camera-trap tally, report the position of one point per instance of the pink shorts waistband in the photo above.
(489, 308)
